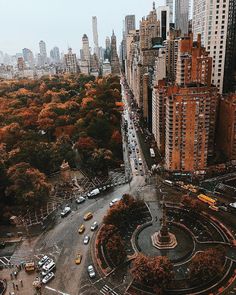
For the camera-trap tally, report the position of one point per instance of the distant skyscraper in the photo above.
(171, 46)
(129, 23)
(55, 55)
(43, 52)
(149, 29)
(115, 66)
(181, 16)
(28, 56)
(169, 3)
(71, 62)
(86, 51)
(163, 13)
(108, 43)
(107, 53)
(216, 22)
(95, 36)
(20, 64)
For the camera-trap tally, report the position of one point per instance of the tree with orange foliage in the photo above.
(206, 265)
(192, 203)
(156, 272)
(27, 185)
(113, 244)
(85, 144)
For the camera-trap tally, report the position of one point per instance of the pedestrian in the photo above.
(13, 285)
(21, 283)
(17, 287)
(11, 276)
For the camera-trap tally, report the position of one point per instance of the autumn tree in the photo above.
(125, 211)
(208, 264)
(154, 272)
(193, 204)
(113, 245)
(27, 185)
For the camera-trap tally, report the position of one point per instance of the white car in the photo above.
(91, 271)
(49, 268)
(43, 260)
(48, 277)
(232, 205)
(65, 211)
(48, 262)
(86, 240)
(93, 193)
(94, 226)
(114, 201)
(80, 200)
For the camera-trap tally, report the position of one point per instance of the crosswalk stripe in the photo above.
(4, 262)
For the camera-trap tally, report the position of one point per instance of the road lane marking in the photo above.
(58, 292)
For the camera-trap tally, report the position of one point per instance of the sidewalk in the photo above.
(14, 283)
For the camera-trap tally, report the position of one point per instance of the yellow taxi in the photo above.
(78, 259)
(81, 229)
(88, 216)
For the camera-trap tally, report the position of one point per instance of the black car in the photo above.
(2, 245)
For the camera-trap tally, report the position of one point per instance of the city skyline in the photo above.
(35, 23)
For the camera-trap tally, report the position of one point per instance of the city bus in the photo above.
(206, 199)
(152, 154)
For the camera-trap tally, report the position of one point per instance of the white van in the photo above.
(93, 193)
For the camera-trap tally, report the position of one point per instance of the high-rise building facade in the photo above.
(95, 36)
(229, 84)
(55, 55)
(215, 20)
(226, 139)
(149, 29)
(190, 118)
(43, 52)
(71, 62)
(170, 4)
(86, 51)
(171, 48)
(28, 56)
(181, 16)
(184, 113)
(193, 63)
(115, 64)
(163, 14)
(129, 23)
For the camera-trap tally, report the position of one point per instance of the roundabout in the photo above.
(180, 234)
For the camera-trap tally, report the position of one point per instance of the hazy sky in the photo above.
(23, 23)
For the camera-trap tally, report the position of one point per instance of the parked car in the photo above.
(48, 278)
(94, 226)
(86, 240)
(80, 200)
(78, 258)
(93, 193)
(91, 271)
(65, 211)
(81, 229)
(43, 260)
(88, 216)
(50, 267)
